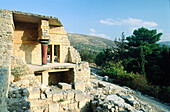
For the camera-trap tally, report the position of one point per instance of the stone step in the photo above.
(64, 86)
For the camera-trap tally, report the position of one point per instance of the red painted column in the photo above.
(44, 53)
(44, 47)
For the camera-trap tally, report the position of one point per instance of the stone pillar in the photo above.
(44, 47)
(45, 78)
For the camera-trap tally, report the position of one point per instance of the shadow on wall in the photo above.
(27, 48)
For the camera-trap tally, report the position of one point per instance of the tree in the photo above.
(105, 56)
(120, 48)
(142, 47)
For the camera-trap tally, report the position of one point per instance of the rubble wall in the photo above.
(26, 44)
(6, 50)
(74, 56)
(82, 72)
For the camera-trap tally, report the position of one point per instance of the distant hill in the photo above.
(165, 42)
(80, 41)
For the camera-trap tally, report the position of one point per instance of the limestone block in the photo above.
(128, 97)
(79, 95)
(82, 103)
(112, 109)
(64, 86)
(49, 94)
(128, 107)
(114, 98)
(79, 85)
(57, 96)
(34, 94)
(70, 95)
(54, 107)
(65, 102)
(72, 106)
(22, 83)
(43, 96)
(37, 103)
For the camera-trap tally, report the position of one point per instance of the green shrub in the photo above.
(61, 100)
(135, 81)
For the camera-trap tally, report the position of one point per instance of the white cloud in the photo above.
(100, 35)
(160, 30)
(130, 22)
(93, 33)
(92, 30)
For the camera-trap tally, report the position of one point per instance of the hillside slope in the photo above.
(88, 42)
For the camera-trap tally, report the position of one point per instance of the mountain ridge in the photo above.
(93, 43)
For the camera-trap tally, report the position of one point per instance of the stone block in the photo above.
(72, 106)
(65, 102)
(49, 94)
(79, 85)
(22, 83)
(70, 95)
(57, 96)
(79, 95)
(34, 94)
(38, 103)
(82, 103)
(54, 107)
(64, 86)
(43, 96)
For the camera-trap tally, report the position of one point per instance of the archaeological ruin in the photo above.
(41, 72)
(41, 44)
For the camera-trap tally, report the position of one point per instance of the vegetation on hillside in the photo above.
(138, 62)
(90, 43)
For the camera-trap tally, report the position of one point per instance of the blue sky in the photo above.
(103, 18)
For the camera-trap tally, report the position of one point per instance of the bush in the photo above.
(87, 55)
(17, 72)
(135, 81)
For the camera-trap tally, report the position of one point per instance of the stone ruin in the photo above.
(55, 80)
(38, 46)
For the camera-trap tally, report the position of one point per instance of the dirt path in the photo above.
(157, 105)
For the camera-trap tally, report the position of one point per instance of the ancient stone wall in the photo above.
(74, 56)
(82, 72)
(6, 50)
(26, 44)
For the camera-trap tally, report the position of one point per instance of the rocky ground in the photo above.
(113, 98)
(28, 95)
(157, 105)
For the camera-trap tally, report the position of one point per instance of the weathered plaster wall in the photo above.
(6, 50)
(26, 44)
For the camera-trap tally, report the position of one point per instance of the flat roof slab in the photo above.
(50, 66)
